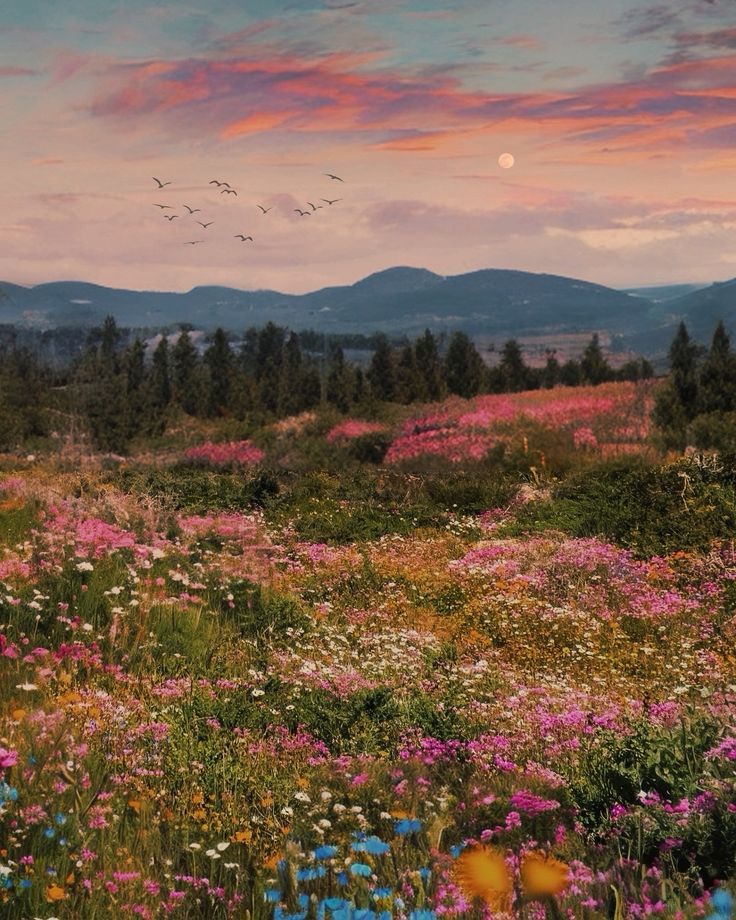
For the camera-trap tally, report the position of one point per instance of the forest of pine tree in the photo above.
(697, 405)
(120, 391)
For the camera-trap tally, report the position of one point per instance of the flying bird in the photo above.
(265, 210)
(334, 177)
(327, 200)
(193, 242)
(239, 236)
(314, 207)
(160, 183)
(301, 213)
(169, 206)
(170, 217)
(205, 226)
(228, 191)
(192, 210)
(215, 182)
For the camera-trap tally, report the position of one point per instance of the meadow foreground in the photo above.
(478, 661)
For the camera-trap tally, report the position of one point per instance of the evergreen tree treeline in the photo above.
(124, 393)
(697, 405)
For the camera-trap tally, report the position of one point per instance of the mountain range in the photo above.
(401, 300)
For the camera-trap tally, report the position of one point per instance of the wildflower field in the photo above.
(477, 661)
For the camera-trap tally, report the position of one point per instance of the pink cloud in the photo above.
(235, 95)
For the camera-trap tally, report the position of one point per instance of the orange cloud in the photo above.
(253, 124)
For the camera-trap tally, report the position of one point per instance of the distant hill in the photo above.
(397, 300)
(663, 293)
(701, 310)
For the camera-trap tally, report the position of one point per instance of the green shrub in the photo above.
(649, 509)
(199, 491)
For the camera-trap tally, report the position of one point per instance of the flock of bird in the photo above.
(225, 188)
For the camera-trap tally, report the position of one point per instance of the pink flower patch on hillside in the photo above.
(462, 430)
(584, 437)
(243, 453)
(240, 527)
(353, 428)
(94, 537)
(455, 446)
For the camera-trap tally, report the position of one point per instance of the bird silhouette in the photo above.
(193, 242)
(160, 183)
(314, 207)
(265, 210)
(301, 213)
(205, 226)
(170, 217)
(239, 236)
(170, 207)
(334, 177)
(192, 210)
(215, 182)
(327, 200)
(228, 191)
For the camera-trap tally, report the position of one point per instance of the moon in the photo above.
(506, 160)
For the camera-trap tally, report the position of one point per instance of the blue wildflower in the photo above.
(335, 903)
(376, 847)
(25, 883)
(425, 872)
(342, 878)
(272, 895)
(361, 869)
(303, 901)
(423, 914)
(379, 893)
(373, 845)
(326, 851)
(407, 826)
(722, 902)
(60, 819)
(49, 833)
(456, 850)
(364, 915)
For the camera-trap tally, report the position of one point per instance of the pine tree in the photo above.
(514, 372)
(683, 370)
(135, 390)
(593, 366)
(338, 385)
(219, 361)
(409, 381)
(381, 373)
(184, 374)
(269, 356)
(429, 365)
(676, 403)
(160, 377)
(290, 396)
(23, 397)
(104, 389)
(717, 379)
(551, 371)
(464, 370)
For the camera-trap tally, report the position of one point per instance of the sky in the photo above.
(620, 117)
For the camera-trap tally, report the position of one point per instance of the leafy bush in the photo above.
(200, 491)
(649, 509)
